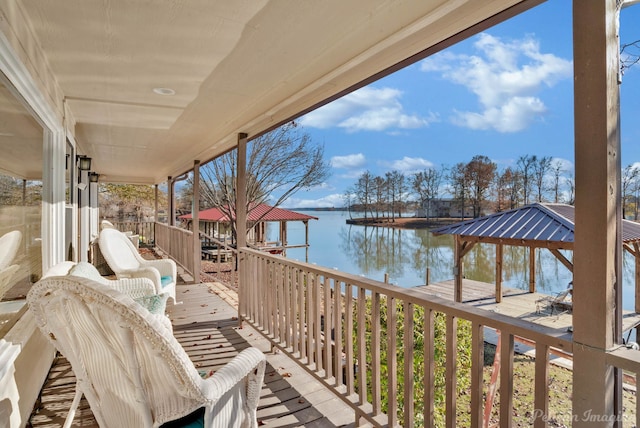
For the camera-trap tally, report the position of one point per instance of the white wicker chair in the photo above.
(9, 245)
(126, 262)
(133, 372)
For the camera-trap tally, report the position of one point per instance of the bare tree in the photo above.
(557, 169)
(571, 187)
(525, 167)
(459, 185)
(480, 173)
(629, 55)
(380, 194)
(630, 186)
(540, 170)
(363, 191)
(396, 187)
(508, 189)
(426, 185)
(280, 162)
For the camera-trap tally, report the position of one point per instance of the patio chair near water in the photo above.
(562, 301)
(132, 370)
(126, 262)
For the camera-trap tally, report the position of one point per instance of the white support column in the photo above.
(155, 203)
(597, 145)
(84, 223)
(172, 203)
(94, 211)
(53, 198)
(195, 214)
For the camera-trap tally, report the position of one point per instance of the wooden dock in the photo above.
(515, 303)
(206, 326)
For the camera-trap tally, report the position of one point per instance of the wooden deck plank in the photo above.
(516, 303)
(206, 325)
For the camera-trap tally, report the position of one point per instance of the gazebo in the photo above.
(538, 225)
(213, 218)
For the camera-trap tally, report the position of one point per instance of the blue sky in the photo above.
(504, 93)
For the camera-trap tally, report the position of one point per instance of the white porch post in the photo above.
(171, 221)
(94, 211)
(52, 223)
(195, 214)
(597, 144)
(83, 205)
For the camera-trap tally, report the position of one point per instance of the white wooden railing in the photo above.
(176, 242)
(340, 328)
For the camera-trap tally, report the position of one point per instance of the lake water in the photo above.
(405, 254)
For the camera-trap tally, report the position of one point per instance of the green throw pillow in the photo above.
(154, 303)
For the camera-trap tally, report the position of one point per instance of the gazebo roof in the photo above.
(261, 212)
(528, 225)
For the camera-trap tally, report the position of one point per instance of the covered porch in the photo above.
(147, 94)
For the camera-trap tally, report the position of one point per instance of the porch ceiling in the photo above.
(235, 66)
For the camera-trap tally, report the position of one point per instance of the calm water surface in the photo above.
(405, 255)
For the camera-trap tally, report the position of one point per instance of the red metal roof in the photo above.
(262, 212)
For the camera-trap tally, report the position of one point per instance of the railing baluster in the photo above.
(310, 311)
(317, 330)
(337, 331)
(303, 315)
(328, 320)
(286, 309)
(392, 362)
(348, 337)
(362, 345)
(408, 345)
(541, 407)
(295, 310)
(375, 354)
(429, 367)
(451, 369)
(506, 379)
(477, 367)
(273, 300)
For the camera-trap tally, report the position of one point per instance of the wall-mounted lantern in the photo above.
(84, 162)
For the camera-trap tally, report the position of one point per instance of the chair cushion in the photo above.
(89, 271)
(154, 303)
(166, 280)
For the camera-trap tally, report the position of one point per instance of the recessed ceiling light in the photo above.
(164, 91)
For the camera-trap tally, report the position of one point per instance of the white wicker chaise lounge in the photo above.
(126, 262)
(131, 369)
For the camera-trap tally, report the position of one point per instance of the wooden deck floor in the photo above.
(205, 324)
(515, 303)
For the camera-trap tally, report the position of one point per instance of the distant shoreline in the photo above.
(402, 222)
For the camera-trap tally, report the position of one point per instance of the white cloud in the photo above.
(367, 109)
(506, 77)
(329, 201)
(408, 165)
(349, 161)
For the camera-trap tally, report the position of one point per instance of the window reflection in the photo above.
(21, 140)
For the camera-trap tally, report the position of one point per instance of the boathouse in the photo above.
(215, 225)
(538, 226)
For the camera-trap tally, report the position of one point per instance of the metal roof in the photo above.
(261, 212)
(535, 222)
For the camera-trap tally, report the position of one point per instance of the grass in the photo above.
(560, 394)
